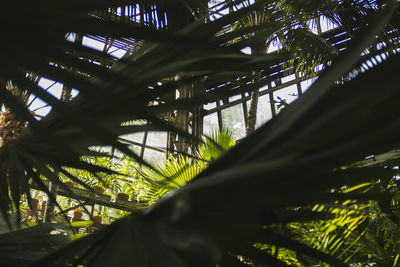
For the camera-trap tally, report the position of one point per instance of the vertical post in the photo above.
(50, 205)
(245, 113)
(197, 115)
(143, 145)
(272, 102)
(298, 84)
(171, 136)
(219, 115)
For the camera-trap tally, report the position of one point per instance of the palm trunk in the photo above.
(251, 121)
(11, 126)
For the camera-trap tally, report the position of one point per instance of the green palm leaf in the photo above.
(242, 197)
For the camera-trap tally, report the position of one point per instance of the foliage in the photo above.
(178, 171)
(273, 177)
(19, 248)
(216, 144)
(109, 181)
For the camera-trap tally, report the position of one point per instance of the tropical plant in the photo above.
(174, 174)
(178, 171)
(33, 243)
(216, 144)
(295, 28)
(101, 180)
(274, 176)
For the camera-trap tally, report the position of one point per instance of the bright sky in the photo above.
(40, 107)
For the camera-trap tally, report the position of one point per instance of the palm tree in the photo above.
(246, 197)
(176, 172)
(287, 23)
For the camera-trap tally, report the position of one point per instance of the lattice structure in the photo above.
(281, 86)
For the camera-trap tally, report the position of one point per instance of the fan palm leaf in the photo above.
(290, 162)
(241, 197)
(21, 247)
(176, 172)
(47, 146)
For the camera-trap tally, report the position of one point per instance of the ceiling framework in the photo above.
(211, 116)
(275, 80)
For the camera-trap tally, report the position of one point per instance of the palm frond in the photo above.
(242, 198)
(24, 246)
(60, 139)
(286, 164)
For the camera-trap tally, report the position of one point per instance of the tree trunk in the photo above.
(251, 121)
(182, 120)
(10, 125)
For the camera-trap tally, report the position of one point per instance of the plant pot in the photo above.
(98, 189)
(123, 196)
(98, 218)
(70, 184)
(77, 214)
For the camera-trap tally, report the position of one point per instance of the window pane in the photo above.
(232, 119)
(210, 123)
(263, 110)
